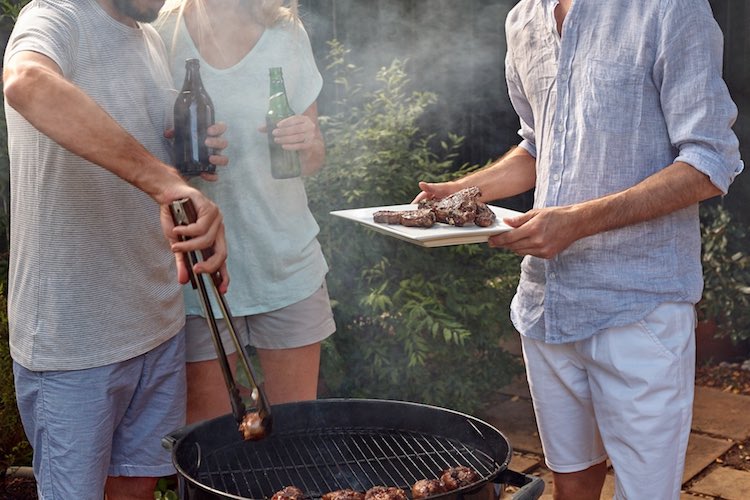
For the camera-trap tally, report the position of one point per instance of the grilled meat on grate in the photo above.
(344, 495)
(288, 493)
(385, 493)
(458, 477)
(426, 488)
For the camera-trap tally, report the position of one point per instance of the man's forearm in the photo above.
(512, 174)
(673, 188)
(63, 112)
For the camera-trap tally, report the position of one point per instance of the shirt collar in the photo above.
(549, 13)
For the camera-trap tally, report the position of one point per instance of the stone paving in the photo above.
(720, 421)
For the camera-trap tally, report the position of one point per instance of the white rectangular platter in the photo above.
(438, 235)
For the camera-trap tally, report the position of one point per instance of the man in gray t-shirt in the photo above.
(95, 307)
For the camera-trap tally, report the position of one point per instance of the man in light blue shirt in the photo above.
(625, 126)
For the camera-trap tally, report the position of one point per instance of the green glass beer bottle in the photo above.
(284, 164)
(193, 114)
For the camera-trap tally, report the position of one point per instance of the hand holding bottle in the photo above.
(216, 143)
(284, 161)
(295, 143)
(296, 133)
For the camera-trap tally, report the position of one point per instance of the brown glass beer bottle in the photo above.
(193, 114)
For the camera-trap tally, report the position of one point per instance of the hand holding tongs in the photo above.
(253, 425)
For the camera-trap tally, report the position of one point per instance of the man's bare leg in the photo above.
(584, 485)
(129, 488)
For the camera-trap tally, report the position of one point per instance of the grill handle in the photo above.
(169, 441)
(530, 487)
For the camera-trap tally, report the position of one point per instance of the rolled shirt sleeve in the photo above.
(696, 102)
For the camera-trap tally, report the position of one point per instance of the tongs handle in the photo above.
(183, 213)
(258, 395)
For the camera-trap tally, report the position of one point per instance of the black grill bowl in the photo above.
(330, 444)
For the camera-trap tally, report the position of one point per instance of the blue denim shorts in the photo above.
(85, 425)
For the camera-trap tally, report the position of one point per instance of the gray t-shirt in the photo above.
(92, 280)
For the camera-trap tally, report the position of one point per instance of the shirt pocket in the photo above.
(614, 99)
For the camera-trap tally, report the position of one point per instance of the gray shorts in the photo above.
(303, 323)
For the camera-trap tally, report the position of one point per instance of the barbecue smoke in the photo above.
(453, 49)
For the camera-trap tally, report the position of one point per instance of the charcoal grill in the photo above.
(330, 444)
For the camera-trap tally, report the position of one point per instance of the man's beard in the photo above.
(128, 8)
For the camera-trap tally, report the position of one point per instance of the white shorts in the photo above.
(626, 393)
(303, 323)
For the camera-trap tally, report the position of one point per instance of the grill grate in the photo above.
(323, 460)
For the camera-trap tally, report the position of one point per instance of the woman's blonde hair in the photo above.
(267, 12)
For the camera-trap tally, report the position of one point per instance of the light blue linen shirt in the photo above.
(629, 89)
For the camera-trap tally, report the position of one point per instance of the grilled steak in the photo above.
(387, 216)
(344, 495)
(423, 217)
(385, 493)
(426, 488)
(431, 204)
(485, 216)
(458, 477)
(458, 208)
(288, 493)
(253, 427)
(461, 208)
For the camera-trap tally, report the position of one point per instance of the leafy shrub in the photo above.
(413, 323)
(14, 449)
(166, 489)
(726, 273)
(4, 186)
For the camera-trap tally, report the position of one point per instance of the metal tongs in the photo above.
(254, 424)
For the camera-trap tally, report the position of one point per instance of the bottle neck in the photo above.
(192, 77)
(278, 93)
(277, 86)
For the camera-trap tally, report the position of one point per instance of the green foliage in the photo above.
(166, 489)
(9, 10)
(413, 323)
(4, 190)
(726, 273)
(14, 449)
